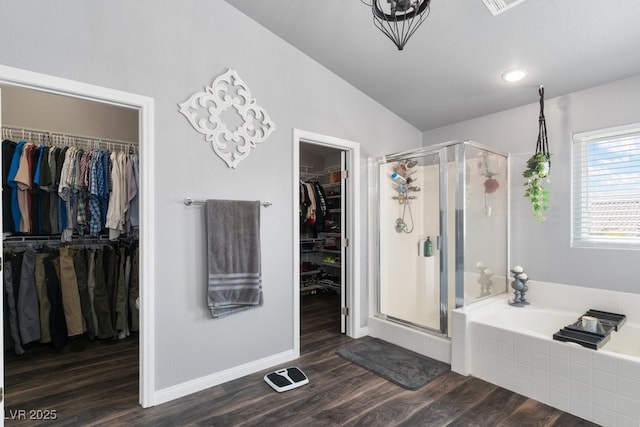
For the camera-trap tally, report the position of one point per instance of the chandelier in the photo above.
(399, 19)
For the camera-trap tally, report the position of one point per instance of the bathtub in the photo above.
(513, 347)
(538, 322)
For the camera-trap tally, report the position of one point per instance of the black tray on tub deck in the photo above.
(590, 340)
(617, 320)
(594, 340)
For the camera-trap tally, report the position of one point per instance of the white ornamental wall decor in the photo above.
(230, 95)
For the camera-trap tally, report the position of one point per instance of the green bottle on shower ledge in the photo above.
(428, 247)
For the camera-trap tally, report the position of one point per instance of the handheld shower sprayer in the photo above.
(398, 178)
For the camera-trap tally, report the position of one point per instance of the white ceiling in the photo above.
(450, 69)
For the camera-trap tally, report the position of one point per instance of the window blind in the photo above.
(606, 190)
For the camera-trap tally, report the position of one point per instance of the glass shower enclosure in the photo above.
(443, 238)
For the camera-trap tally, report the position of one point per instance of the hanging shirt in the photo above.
(15, 207)
(44, 184)
(104, 186)
(132, 183)
(36, 203)
(82, 185)
(8, 150)
(62, 207)
(23, 182)
(116, 209)
(65, 193)
(53, 190)
(95, 216)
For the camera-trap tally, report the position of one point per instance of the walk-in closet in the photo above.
(322, 220)
(70, 227)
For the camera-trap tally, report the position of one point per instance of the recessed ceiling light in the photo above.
(514, 75)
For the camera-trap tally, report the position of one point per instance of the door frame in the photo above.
(2, 261)
(353, 249)
(16, 77)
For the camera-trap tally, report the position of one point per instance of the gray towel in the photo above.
(233, 242)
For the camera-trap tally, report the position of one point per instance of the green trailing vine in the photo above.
(537, 170)
(538, 167)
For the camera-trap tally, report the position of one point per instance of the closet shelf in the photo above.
(330, 234)
(331, 251)
(310, 273)
(330, 284)
(332, 264)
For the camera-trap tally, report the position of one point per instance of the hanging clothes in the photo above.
(53, 294)
(8, 150)
(69, 191)
(57, 321)
(313, 207)
(11, 182)
(27, 308)
(11, 301)
(43, 300)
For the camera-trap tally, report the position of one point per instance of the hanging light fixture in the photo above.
(399, 19)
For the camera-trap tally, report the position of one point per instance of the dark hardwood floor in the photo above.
(96, 383)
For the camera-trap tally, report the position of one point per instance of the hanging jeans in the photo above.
(70, 294)
(28, 311)
(91, 286)
(133, 291)
(121, 292)
(101, 299)
(57, 321)
(111, 277)
(82, 275)
(43, 299)
(11, 305)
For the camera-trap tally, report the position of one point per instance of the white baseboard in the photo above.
(360, 332)
(180, 390)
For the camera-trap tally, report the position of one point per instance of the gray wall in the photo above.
(167, 50)
(45, 111)
(544, 249)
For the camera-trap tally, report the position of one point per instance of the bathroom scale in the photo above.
(286, 379)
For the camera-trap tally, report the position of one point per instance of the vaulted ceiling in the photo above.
(451, 68)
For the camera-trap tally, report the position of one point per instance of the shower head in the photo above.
(410, 163)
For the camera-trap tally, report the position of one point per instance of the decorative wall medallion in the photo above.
(215, 111)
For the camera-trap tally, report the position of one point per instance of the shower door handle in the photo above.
(438, 247)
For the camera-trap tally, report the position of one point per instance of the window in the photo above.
(606, 188)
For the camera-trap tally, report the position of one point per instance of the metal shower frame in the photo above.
(442, 241)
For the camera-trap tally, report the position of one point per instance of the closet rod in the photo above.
(324, 171)
(190, 201)
(7, 132)
(9, 242)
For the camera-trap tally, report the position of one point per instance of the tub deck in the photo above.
(513, 347)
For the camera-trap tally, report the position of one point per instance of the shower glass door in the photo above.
(442, 232)
(410, 229)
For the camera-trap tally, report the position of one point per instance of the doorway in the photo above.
(17, 78)
(334, 240)
(322, 231)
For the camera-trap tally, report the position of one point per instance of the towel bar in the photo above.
(190, 201)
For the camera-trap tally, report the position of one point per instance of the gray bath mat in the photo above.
(396, 364)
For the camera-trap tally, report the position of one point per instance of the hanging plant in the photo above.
(538, 167)
(537, 170)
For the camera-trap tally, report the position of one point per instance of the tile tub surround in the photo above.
(513, 348)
